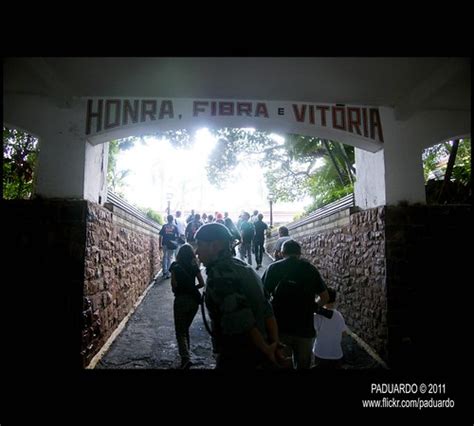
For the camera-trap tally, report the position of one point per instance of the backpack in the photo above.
(191, 230)
(171, 245)
(289, 296)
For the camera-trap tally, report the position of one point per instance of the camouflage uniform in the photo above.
(236, 303)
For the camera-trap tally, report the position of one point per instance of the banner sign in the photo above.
(106, 114)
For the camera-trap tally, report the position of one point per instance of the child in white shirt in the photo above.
(327, 349)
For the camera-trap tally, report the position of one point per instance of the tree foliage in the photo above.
(462, 166)
(20, 152)
(151, 214)
(234, 146)
(329, 173)
(116, 178)
(295, 166)
(435, 159)
(443, 186)
(325, 187)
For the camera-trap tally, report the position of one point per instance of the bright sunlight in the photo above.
(159, 169)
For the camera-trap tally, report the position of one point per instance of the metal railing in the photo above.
(115, 200)
(329, 209)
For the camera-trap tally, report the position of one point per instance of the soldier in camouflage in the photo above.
(243, 325)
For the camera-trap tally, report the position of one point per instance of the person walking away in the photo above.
(283, 236)
(254, 217)
(259, 240)
(191, 230)
(247, 230)
(327, 349)
(181, 225)
(236, 237)
(252, 220)
(190, 217)
(184, 272)
(293, 284)
(242, 320)
(220, 218)
(167, 242)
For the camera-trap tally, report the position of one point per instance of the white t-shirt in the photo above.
(329, 336)
(180, 225)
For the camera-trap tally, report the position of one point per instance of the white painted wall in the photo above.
(369, 188)
(61, 160)
(402, 162)
(95, 176)
(60, 169)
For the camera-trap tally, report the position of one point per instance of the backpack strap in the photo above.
(285, 277)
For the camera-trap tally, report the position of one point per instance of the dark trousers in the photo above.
(185, 308)
(259, 250)
(246, 252)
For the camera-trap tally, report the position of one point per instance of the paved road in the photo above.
(148, 339)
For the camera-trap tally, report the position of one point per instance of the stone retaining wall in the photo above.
(397, 270)
(349, 252)
(120, 262)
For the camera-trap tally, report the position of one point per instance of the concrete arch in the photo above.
(432, 127)
(408, 85)
(73, 159)
(395, 173)
(151, 129)
(107, 119)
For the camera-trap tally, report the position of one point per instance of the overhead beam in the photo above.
(413, 101)
(56, 85)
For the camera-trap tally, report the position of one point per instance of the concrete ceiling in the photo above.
(407, 84)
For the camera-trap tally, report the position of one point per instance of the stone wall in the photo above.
(348, 248)
(352, 260)
(325, 224)
(120, 262)
(76, 271)
(399, 272)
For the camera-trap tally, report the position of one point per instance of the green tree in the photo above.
(297, 167)
(116, 179)
(20, 152)
(234, 146)
(153, 215)
(462, 166)
(326, 188)
(435, 161)
(317, 167)
(447, 172)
